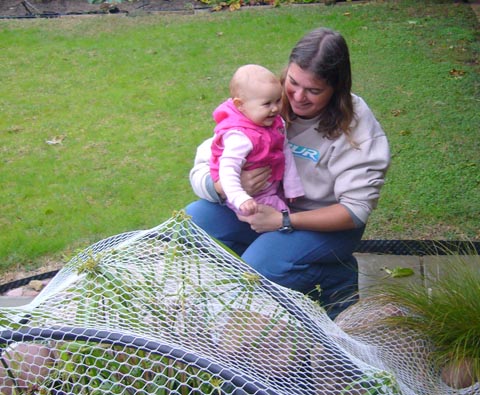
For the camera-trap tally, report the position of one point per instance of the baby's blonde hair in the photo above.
(248, 77)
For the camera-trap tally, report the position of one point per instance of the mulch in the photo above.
(55, 8)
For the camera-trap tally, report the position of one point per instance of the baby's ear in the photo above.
(237, 102)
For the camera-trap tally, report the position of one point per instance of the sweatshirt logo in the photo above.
(305, 152)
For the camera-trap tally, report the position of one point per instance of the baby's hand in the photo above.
(248, 207)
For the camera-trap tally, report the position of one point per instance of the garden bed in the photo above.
(32, 8)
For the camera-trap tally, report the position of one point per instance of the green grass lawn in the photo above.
(130, 98)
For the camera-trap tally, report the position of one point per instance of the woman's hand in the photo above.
(253, 181)
(266, 219)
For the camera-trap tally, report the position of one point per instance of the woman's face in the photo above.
(307, 95)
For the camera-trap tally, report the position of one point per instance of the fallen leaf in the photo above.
(457, 73)
(396, 113)
(397, 272)
(56, 140)
(15, 129)
(235, 6)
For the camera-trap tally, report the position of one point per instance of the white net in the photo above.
(170, 311)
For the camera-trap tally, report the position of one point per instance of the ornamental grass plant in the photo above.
(445, 312)
(100, 117)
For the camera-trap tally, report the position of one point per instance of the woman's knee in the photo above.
(200, 211)
(221, 223)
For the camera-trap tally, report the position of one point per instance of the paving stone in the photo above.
(374, 270)
(7, 301)
(437, 266)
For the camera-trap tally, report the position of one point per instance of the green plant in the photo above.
(379, 383)
(90, 368)
(165, 291)
(445, 313)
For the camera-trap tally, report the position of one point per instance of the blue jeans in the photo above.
(301, 260)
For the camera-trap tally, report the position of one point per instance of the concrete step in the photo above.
(427, 269)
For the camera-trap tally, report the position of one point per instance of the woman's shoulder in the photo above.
(360, 106)
(365, 124)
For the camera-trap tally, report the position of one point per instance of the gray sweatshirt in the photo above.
(332, 171)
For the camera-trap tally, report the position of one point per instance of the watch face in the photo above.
(286, 229)
(286, 224)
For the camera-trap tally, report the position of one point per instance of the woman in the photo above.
(341, 154)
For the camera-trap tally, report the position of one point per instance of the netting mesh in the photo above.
(170, 311)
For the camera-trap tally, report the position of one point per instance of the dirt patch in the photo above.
(45, 8)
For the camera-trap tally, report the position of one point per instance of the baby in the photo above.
(249, 134)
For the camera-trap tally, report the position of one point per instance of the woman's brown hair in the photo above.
(324, 53)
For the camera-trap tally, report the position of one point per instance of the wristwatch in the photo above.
(286, 223)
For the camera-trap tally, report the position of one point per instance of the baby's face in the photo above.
(262, 104)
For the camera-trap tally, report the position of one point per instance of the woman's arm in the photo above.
(326, 219)
(253, 181)
(200, 179)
